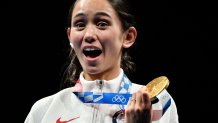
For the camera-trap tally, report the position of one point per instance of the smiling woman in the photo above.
(96, 89)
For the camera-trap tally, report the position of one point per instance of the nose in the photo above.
(90, 35)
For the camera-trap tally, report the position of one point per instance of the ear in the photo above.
(130, 37)
(68, 35)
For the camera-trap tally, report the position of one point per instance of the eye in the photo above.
(79, 25)
(102, 25)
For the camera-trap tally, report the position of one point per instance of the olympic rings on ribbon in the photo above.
(119, 98)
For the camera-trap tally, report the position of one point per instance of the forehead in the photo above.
(93, 6)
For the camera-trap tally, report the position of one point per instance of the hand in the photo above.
(139, 108)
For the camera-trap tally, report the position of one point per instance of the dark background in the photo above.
(177, 39)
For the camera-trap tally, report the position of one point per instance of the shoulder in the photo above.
(41, 106)
(46, 101)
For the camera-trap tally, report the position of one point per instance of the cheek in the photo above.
(113, 44)
(111, 35)
(113, 40)
(76, 38)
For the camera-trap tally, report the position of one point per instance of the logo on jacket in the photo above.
(66, 121)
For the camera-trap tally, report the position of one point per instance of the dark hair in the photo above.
(74, 68)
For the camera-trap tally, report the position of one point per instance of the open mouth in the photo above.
(92, 52)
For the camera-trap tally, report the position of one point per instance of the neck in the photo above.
(106, 75)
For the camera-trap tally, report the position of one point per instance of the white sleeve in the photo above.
(28, 119)
(38, 110)
(168, 107)
(173, 113)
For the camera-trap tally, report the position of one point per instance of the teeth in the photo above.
(92, 52)
(91, 49)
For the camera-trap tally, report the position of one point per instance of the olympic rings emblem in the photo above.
(119, 98)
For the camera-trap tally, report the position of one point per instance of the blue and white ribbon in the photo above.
(121, 98)
(103, 98)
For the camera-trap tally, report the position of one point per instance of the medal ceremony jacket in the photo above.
(68, 106)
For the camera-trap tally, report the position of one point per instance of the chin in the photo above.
(92, 71)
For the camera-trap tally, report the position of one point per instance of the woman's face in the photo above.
(97, 38)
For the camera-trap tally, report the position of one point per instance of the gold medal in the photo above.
(157, 85)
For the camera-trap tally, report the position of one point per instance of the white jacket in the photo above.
(66, 107)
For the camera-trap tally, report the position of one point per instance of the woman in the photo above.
(100, 31)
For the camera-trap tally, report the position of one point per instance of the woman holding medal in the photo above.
(100, 32)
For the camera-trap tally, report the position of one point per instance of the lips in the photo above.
(92, 52)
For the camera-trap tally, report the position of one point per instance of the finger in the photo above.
(146, 100)
(130, 107)
(146, 95)
(132, 100)
(139, 99)
(144, 89)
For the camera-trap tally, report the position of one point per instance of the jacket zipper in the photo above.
(100, 84)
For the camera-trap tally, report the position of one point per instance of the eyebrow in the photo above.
(79, 14)
(102, 14)
(97, 14)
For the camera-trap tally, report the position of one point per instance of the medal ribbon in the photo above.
(103, 98)
(121, 98)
